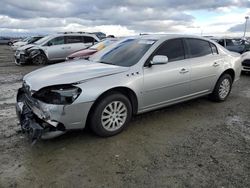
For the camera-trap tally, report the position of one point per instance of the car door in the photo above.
(168, 82)
(205, 64)
(55, 48)
(74, 43)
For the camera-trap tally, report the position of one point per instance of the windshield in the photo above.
(126, 53)
(42, 40)
(26, 39)
(33, 39)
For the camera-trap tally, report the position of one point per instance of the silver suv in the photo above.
(127, 78)
(54, 48)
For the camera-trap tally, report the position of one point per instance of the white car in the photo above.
(25, 41)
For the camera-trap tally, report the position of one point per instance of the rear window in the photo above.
(198, 48)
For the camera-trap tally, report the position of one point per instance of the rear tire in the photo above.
(222, 88)
(40, 59)
(111, 115)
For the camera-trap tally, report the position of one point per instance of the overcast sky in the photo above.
(124, 17)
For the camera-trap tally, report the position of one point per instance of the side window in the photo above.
(198, 48)
(73, 39)
(214, 49)
(221, 42)
(229, 42)
(56, 41)
(173, 49)
(89, 39)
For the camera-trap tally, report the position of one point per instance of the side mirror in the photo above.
(159, 59)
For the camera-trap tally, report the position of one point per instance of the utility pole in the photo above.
(247, 17)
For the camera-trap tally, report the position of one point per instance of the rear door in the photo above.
(74, 43)
(168, 82)
(205, 64)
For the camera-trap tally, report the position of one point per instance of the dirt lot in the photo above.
(194, 144)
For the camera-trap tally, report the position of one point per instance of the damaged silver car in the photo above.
(137, 75)
(54, 48)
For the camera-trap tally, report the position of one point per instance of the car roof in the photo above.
(169, 36)
(75, 34)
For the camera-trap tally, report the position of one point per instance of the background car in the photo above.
(8, 40)
(54, 48)
(134, 76)
(27, 40)
(245, 61)
(234, 44)
(82, 54)
(4, 40)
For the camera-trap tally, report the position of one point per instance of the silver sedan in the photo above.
(134, 76)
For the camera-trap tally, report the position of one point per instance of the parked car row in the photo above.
(8, 40)
(132, 76)
(54, 48)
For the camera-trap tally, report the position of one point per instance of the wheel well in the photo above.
(42, 52)
(123, 90)
(230, 72)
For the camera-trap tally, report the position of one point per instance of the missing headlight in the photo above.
(58, 94)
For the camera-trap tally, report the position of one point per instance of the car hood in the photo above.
(25, 47)
(82, 53)
(20, 43)
(67, 73)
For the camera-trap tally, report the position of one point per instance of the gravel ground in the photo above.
(194, 144)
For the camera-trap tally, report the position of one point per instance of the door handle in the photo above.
(183, 71)
(216, 64)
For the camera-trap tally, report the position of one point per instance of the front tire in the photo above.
(111, 115)
(222, 88)
(40, 59)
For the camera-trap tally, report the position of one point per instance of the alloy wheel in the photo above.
(224, 88)
(114, 116)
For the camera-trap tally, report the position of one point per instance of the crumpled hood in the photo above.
(27, 46)
(67, 73)
(19, 43)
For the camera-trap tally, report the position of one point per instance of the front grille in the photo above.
(22, 57)
(246, 63)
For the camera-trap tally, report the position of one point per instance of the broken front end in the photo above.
(26, 56)
(49, 112)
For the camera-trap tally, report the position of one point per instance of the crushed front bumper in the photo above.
(21, 58)
(45, 121)
(28, 122)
